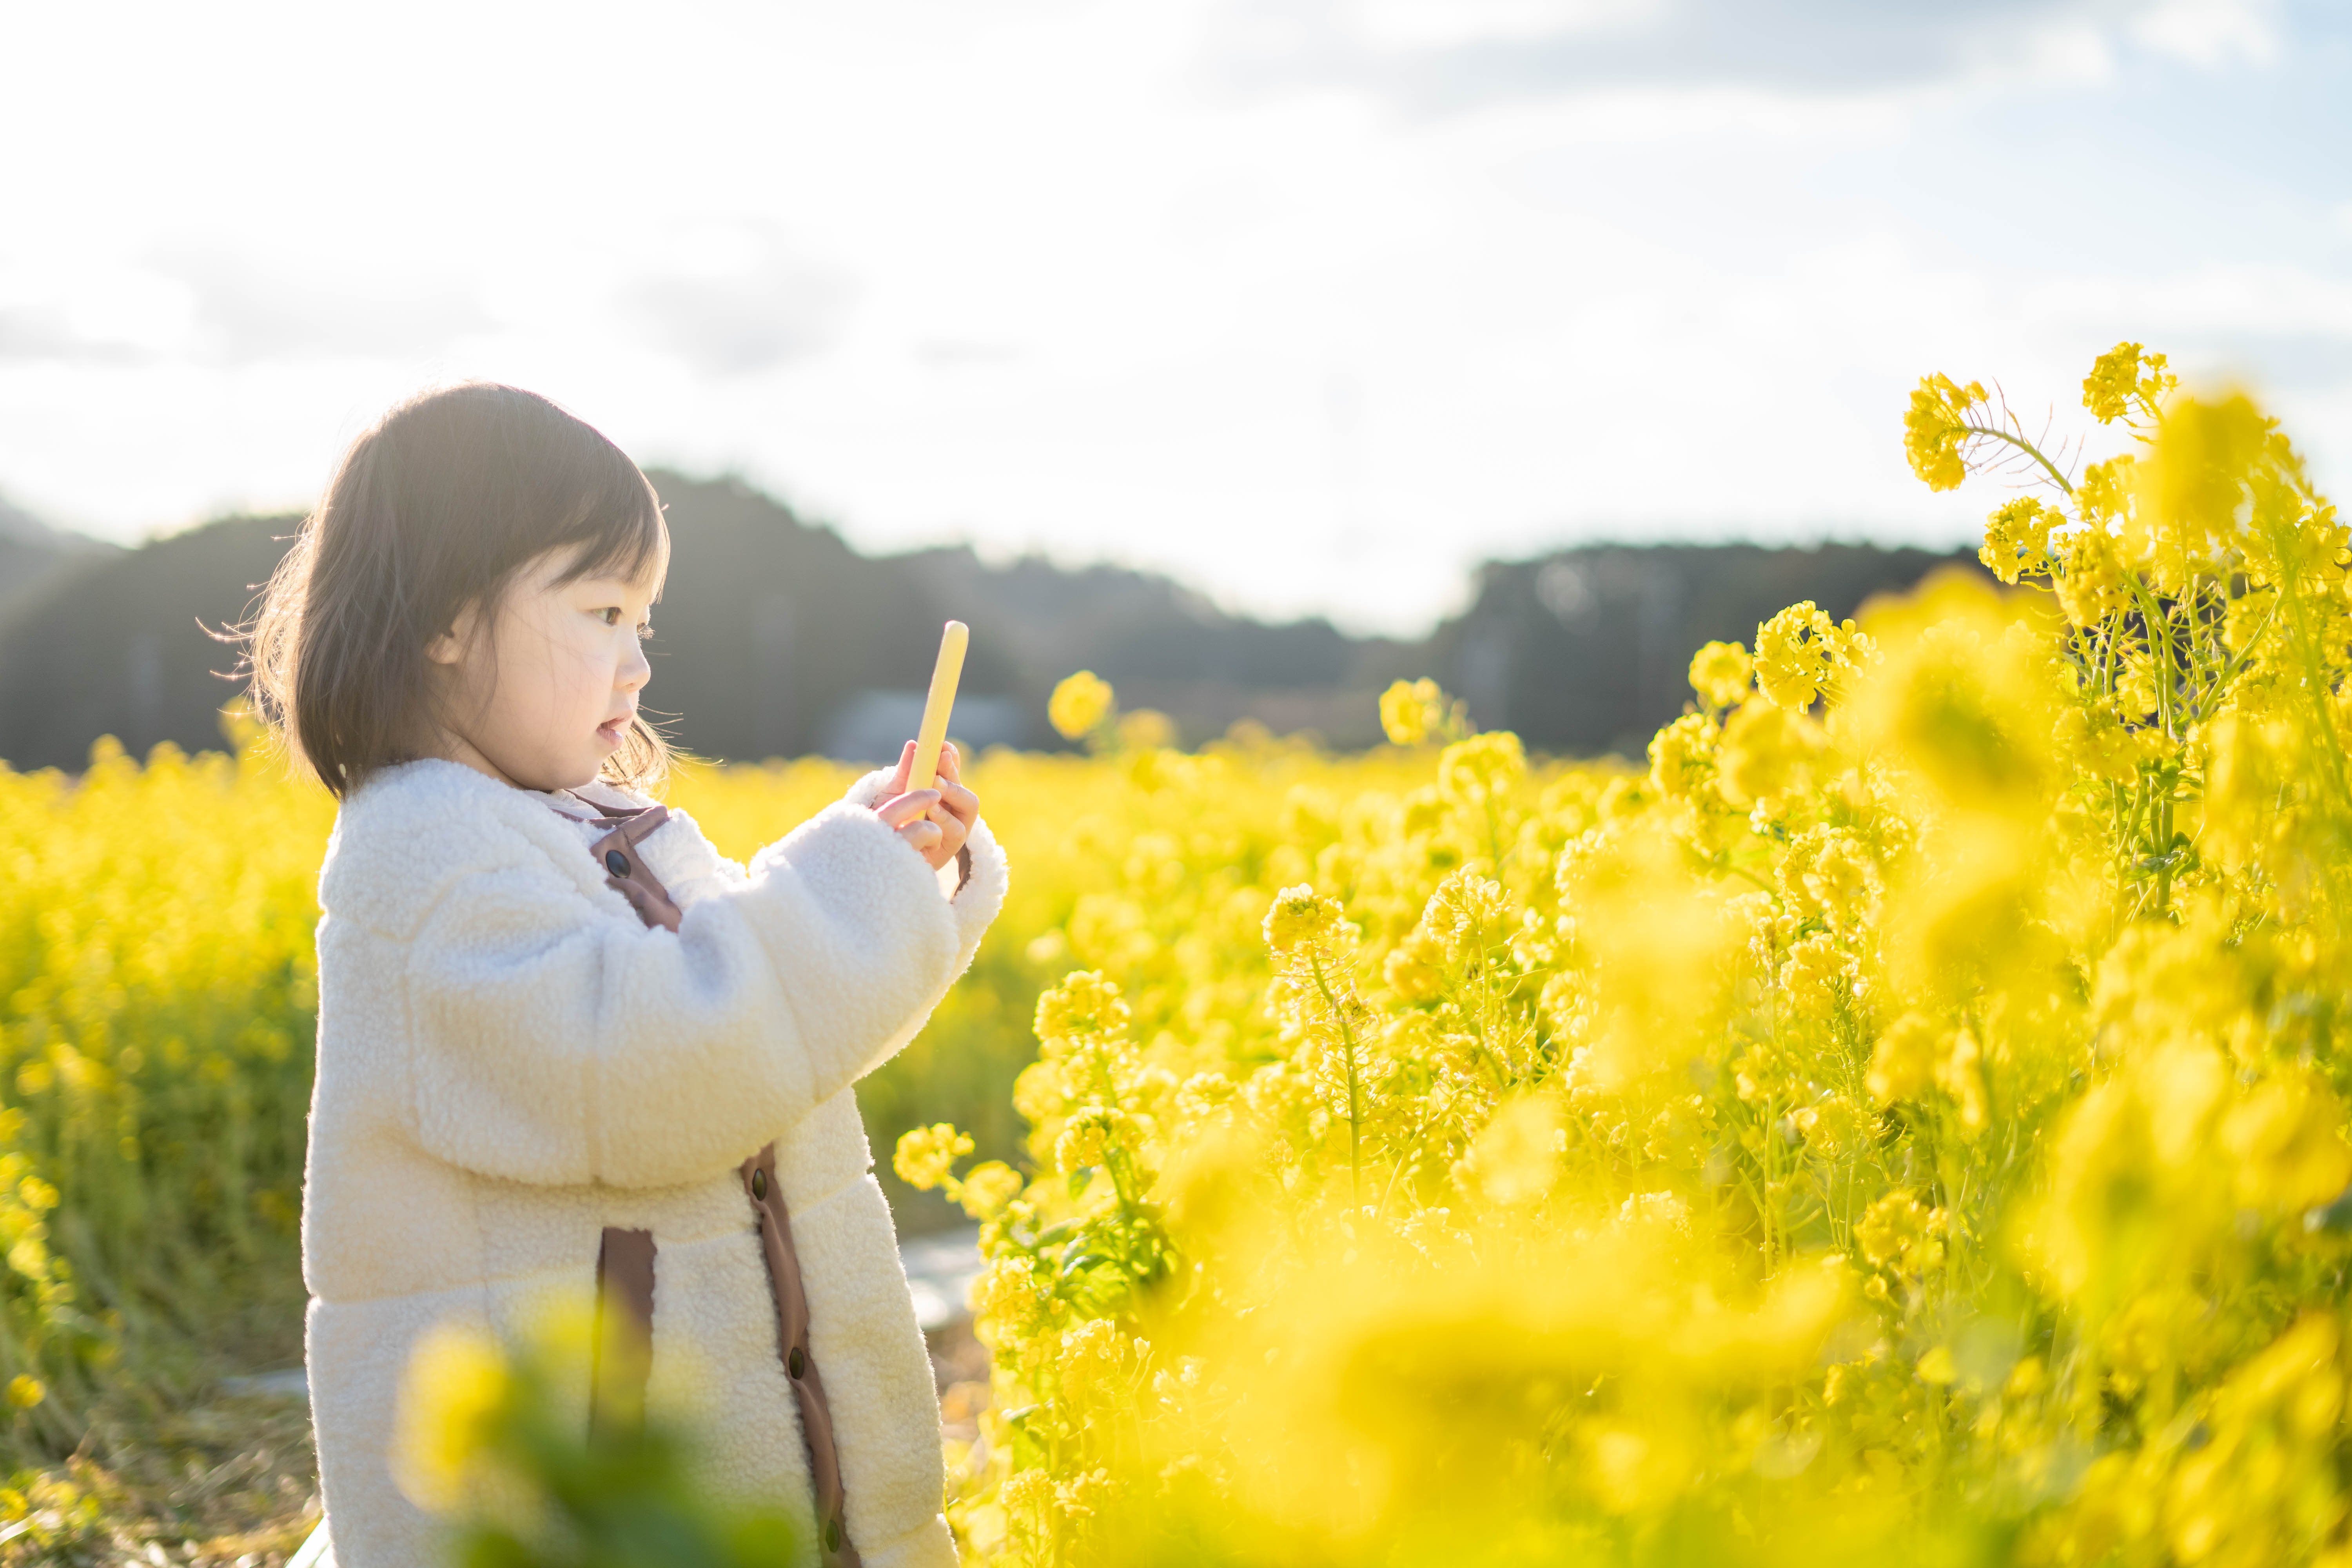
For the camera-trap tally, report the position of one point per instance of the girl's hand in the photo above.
(936, 821)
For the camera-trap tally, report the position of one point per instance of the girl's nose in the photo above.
(635, 670)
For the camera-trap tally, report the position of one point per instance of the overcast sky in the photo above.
(1312, 302)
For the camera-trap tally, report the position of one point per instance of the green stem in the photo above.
(2024, 446)
(1355, 1088)
(1412, 1146)
(2316, 686)
(2161, 838)
(2236, 665)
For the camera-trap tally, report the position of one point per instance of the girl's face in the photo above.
(543, 698)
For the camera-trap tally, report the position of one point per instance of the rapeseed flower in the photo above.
(1720, 673)
(1936, 427)
(2127, 379)
(925, 1156)
(1411, 712)
(1081, 704)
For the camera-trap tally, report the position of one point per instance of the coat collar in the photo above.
(418, 792)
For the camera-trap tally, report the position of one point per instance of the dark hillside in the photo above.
(120, 648)
(775, 638)
(1589, 650)
(33, 556)
(1165, 646)
(767, 625)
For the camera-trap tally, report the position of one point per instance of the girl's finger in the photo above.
(904, 774)
(924, 836)
(959, 802)
(951, 764)
(951, 826)
(911, 807)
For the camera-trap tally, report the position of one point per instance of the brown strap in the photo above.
(767, 1195)
(625, 1264)
(626, 871)
(624, 1349)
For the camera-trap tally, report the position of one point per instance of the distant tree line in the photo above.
(775, 638)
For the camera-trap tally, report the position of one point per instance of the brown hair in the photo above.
(436, 508)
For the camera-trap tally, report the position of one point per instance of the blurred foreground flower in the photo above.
(491, 1439)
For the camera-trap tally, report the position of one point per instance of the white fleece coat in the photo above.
(509, 1060)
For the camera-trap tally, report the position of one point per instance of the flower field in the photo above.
(1908, 1119)
(1901, 1114)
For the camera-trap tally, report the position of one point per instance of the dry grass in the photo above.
(229, 1481)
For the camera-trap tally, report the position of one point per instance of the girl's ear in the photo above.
(450, 646)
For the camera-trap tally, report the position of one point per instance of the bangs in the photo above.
(619, 530)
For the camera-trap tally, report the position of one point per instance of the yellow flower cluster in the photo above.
(1080, 705)
(1720, 672)
(2127, 380)
(1414, 712)
(1940, 423)
(1904, 1119)
(1800, 651)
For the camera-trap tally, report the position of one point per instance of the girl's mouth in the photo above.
(612, 730)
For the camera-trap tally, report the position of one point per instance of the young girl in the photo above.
(563, 1044)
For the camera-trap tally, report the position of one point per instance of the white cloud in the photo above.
(1452, 55)
(1008, 273)
(2210, 32)
(249, 308)
(1418, 24)
(222, 306)
(92, 310)
(732, 299)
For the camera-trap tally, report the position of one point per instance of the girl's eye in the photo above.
(645, 630)
(610, 614)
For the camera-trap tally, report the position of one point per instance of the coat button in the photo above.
(832, 1535)
(796, 1364)
(616, 863)
(760, 1186)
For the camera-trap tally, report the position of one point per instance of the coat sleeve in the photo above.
(555, 1042)
(978, 900)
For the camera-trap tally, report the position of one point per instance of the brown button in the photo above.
(797, 1364)
(760, 1186)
